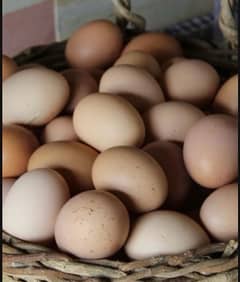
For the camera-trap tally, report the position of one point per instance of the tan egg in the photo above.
(133, 175)
(18, 143)
(170, 158)
(97, 44)
(33, 203)
(59, 129)
(9, 67)
(92, 225)
(81, 84)
(211, 151)
(171, 121)
(160, 45)
(72, 159)
(171, 61)
(34, 96)
(142, 60)
(226, 100)
(7, 183)
(192, 81)
(219, 213)
(164, 233)
(134, 84)
(104, 121)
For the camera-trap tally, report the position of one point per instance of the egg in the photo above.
(171, 121)
(142, 60)
(9, 67)
(92, 225)
(192, 81)
(30, 66)
(18, 143)
(96, 44)
(34, 96)
(134, 84)
(73, 160)
(104, 121)
(160, 45)
(81, 84)
(170, 158)
(219, 213)
(133, 175)
(164, 233)
(226, 100)
(211, 151)
(59, 129)
(7, 183)
(32, 205)
(171, 61)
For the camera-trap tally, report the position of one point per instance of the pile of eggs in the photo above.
(109, 154)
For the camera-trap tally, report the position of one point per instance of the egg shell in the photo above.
(96, 44)
(132, 175)
(9, 67)
(33, 203)
(211, 151)
(164, 233)
(73, 160)
(34, 96)
(134, 84)
(171, 121)
(7, 183)
(219, 213)
(171, 61)
(192, 81)
(160, 45)
(104, 121)
(142, 60)
(18, 144)
(226, 100)
(81, 84)
(59, 129)
(170, 158)
(92, 225)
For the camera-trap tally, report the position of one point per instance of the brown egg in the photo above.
(104, 121)
(34, 96)
(97, 44)
(192, 81)
(170, 158)
(160, 45)
(59, 129)
(134, 84)
(81, 84)
(226, 100)
(33, 203)
(18, 143)
(72, 159)
(219, 213)
(171, 121)
(9, 67)
(211, 151)
(92, 225)
(142, 60)
(133, 175)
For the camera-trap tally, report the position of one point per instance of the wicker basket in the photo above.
(214, 263)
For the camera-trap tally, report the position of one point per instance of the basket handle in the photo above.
(124, 16)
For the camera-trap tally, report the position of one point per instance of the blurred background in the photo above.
(33, 22)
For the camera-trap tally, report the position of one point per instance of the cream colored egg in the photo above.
(171, 121)
(59, 129)
(133, 175)
(92, 225)
(33, 203)
(134, 84)
(104, 121)
(34, 96)
(164, 233)
(7, 183)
